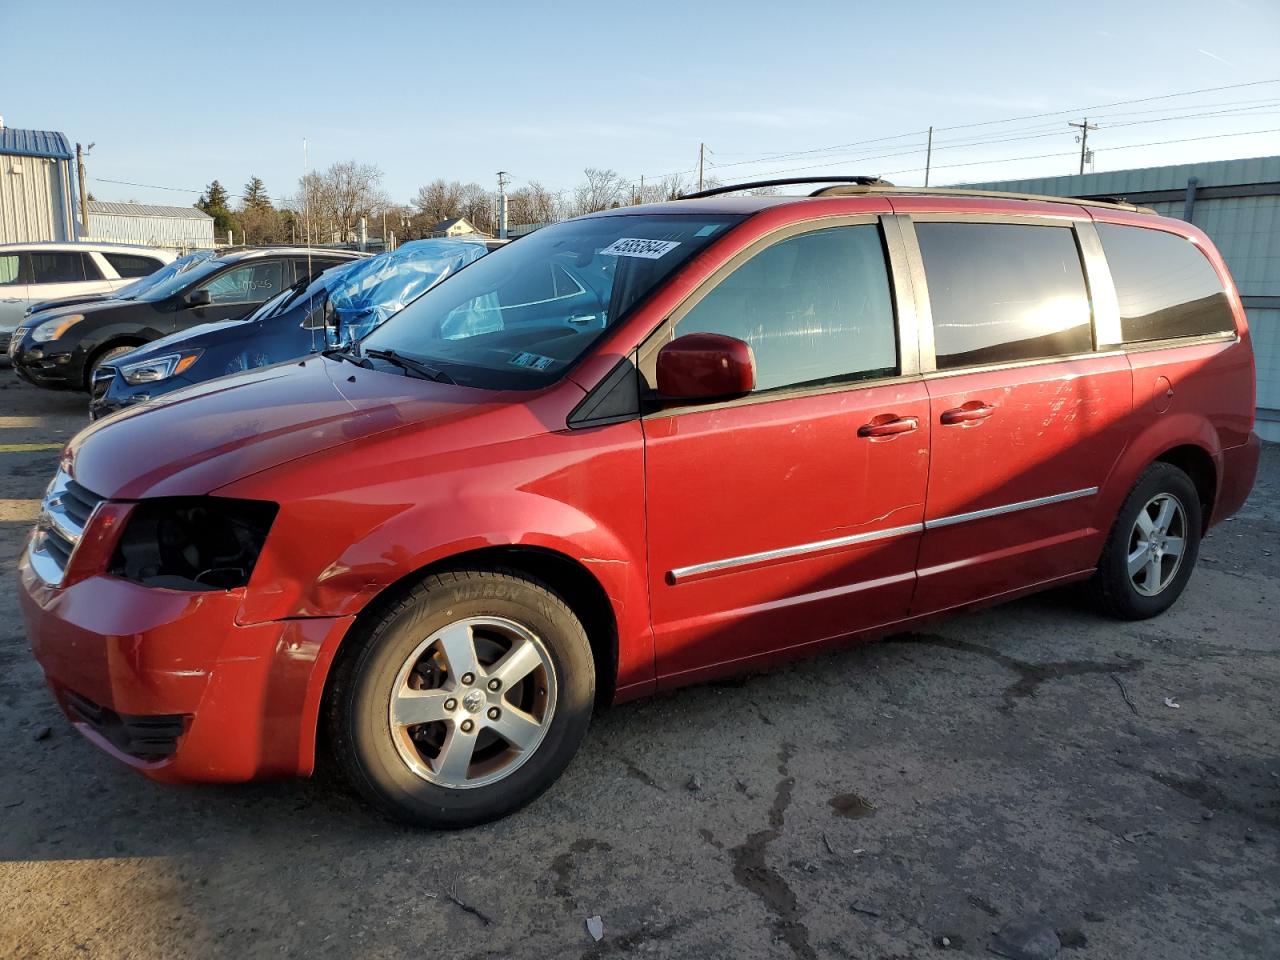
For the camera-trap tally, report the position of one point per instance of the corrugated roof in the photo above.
(147, 210)
(1122, 182)
(34, 143)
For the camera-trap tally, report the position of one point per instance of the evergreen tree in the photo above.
(255, 195)
(214, 198)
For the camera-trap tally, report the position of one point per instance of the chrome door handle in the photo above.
(975, 410)
(882, 427)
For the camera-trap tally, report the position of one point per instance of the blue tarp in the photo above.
(371, 290)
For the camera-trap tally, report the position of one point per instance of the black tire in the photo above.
(362, 740)
(105, 357)
(1115, 590)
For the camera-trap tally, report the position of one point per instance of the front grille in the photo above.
(64, 514)
(149, 737)
(101, 382)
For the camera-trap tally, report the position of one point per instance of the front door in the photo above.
(235, 292)
(792, 515)
(1027, 420)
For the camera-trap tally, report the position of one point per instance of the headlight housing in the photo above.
(55, 328)
(158, 368)
(193, 543)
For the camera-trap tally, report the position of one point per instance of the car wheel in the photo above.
(102, 359)
(465, 701)
(1152, 549)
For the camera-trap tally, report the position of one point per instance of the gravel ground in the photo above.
(902, 799)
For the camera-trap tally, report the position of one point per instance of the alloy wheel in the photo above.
(472, 702)
(1156, 544)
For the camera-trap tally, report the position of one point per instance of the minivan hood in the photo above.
(192, 441)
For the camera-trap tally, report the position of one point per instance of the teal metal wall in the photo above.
(1237, 203)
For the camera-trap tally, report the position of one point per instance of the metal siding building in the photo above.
(1237, 203)
(37, 195)
(175, 228)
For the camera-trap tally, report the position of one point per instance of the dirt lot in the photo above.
(1022, 764)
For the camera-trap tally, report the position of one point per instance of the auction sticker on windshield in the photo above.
(633, 247)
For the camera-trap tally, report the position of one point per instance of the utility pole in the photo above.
(502, 204)
(928, 158)
(1083, 138)
(640, 198)
(84, 193)
(702, 156)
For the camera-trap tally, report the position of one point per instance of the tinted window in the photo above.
(309, 269)
(55, 266)
(253, 282)
(814, 308)
(132, 264)
(1165, 284)
(1003, 292)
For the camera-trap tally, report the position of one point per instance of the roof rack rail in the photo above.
(786, 181)
(884, 188)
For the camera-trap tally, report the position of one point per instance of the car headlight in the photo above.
(158, 368)
(193, 543)
(53, 329)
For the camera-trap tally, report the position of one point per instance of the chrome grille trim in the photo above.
(65, 512)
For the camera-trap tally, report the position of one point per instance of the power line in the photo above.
(1070, 111)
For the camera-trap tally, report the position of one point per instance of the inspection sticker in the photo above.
(646, 249)
(534, 361)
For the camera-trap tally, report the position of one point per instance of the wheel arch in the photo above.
(123, 340)
(1197, 463)
(577, 586)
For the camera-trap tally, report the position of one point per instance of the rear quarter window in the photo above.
(131, 265)
(1165, 285)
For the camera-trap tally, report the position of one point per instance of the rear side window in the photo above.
(1165, 285)
(56, 266)
(254, 282)
(815, 308)
(10, 269)
(1003, 292)
(132, 264)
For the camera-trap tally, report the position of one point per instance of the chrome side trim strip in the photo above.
(683, 573)
(1009, 508)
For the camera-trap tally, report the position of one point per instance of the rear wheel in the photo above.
(465, 701)
(1153, 546)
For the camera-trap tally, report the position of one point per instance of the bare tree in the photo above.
(478, 206)
(336, 198)
(601, 190)
(532, 203)
(438, 201)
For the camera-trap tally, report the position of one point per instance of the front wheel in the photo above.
(1153, 546)
(465, 701)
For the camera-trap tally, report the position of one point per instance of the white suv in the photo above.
(31, 272)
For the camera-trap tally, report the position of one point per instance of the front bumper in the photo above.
(168, 682)
(108, 391)
(59, 370)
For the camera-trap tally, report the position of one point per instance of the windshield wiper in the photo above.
(341, 353)
(410, 365)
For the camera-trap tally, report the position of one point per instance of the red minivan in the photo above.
(635, 450)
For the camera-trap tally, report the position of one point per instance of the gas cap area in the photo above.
(1162, 394)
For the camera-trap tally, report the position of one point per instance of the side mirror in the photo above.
(705, 366)
(199, 298)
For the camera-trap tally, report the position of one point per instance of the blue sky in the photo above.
(178, 94)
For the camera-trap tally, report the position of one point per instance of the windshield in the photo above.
(133, 290)
(178, 281)
(519, 317)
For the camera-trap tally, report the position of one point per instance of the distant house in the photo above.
(457, 227)
(177, 228)
(37, 190)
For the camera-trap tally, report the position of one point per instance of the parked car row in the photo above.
(33, 272)
(60, 347)
(638, 449)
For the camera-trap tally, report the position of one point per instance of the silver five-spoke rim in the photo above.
(1157, 543)
(472, 702)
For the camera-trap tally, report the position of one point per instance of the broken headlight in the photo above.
(193, 543)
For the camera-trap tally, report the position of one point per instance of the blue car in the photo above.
(341, 305)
